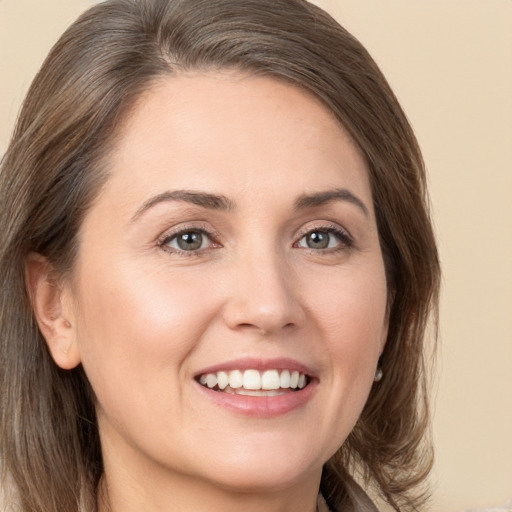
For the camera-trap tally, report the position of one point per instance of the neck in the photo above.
(134, 481)
(157, 492)
(116, 496)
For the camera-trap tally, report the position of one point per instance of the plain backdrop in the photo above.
(450, 64)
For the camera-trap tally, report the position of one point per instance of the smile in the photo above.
(255, 383)
(259, 388)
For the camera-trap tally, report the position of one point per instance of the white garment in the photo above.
(504, 508)
(321, 506)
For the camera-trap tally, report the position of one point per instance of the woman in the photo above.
(217, 267)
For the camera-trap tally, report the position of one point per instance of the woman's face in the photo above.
(234, 245)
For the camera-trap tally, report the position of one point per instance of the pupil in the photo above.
(190, 241)
(318, 240)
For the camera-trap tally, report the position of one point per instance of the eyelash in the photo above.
(168, 237)
(346, 241)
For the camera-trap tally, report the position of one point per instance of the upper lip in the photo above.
(251, 363)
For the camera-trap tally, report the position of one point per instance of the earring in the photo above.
(378, 375)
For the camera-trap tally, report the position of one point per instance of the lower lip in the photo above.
(261, 406)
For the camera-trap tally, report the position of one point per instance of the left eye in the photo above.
(320, 239)
(188, 241)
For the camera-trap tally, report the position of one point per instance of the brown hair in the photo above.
(57, 162)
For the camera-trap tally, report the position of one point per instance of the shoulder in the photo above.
(358, 500)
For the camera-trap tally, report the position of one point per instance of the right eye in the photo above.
(190, 240)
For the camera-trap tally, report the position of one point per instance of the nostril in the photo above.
(264, 308)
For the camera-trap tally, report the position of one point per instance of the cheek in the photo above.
(352, 308)
(138, 326)
(351, 315)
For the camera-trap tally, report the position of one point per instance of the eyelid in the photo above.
(346, 239)
(343, 234)
(168, 235)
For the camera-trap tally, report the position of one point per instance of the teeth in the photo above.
(252, 379)
(284, 379)
(258, 392)
(236, 379)
(211, 380)
(294, 379)
(222, 379)
(270, 380)
(254, 383)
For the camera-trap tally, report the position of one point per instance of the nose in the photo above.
(263, 296)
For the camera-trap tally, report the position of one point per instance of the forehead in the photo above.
(235, 132)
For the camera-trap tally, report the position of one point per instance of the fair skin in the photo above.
(277, 267)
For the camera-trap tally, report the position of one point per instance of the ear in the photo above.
(51, 303)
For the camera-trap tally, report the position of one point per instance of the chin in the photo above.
(266, 468)
(263, 480)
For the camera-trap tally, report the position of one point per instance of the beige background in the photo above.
(450, 63)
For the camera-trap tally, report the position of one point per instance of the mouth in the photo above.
(252, 382)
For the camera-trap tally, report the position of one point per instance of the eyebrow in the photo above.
(321, 198)
(203, 199)
(221, 202)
